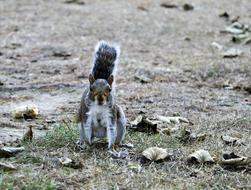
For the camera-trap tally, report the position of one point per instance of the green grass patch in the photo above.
(61, 136)
(26, 181)
(29, 158)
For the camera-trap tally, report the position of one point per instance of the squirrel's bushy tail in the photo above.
(105, 60)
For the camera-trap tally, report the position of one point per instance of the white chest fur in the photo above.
(100, 115)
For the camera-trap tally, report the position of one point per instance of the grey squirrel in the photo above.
(99, 116)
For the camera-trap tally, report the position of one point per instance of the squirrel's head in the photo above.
(100, 89)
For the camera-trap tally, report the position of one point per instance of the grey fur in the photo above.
(106, 120)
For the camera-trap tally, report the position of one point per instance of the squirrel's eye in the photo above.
(110, 89)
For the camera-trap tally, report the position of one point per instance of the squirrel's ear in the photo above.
(91, 79)
(110, 80)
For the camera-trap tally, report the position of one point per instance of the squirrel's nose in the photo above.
(100, 100)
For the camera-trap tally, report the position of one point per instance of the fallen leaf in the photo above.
(137, 120)
(158, 124)
(188, 7)
(200, 156)
(189, 136)
(238, 38)
(173, 120)
(134, 167)
(156, 154)
(6, 152)
(7, 166)
(26, 111)
(247, 41)
(234, 28)
(233, 161)
(225, 15)
(67, 162)
(232, 53)
(143, 124)
(235, 19)
(169, 6)
(232, 140)
(165, 131)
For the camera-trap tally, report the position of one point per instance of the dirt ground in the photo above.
(46, 54)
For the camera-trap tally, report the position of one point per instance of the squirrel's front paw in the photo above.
(119, 155)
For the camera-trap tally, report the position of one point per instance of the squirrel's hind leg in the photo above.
(121, 129)
(121, 126)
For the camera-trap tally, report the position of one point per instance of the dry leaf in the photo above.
(235, 28)
(200, 156)
(233, 52)
(134, 167)
(143, 124)
(233, 161)
(232, 140)
(6, 152)
(165, 131)
(247, 41)
(189, 136)
(155, 154)
(174, 120)
(67, 162)
(225, 15)
(26, 112)
(136, 121)
(7, 166)
(238, 38)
